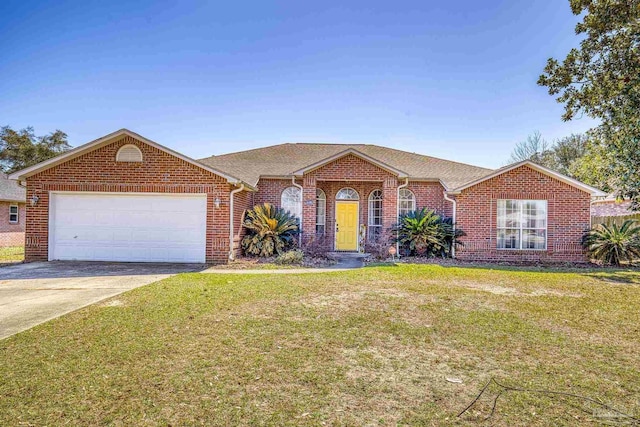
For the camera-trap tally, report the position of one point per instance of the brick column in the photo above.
(389, 203)
(308, 208)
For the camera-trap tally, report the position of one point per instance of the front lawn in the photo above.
(11, 254)
(375, 346)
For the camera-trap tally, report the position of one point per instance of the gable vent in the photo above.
(129, 153)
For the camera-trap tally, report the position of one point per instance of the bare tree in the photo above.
(534, 148)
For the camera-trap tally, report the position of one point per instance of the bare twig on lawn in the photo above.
(505, 388)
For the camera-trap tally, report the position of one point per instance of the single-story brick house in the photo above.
(123, 197)
(12, 212)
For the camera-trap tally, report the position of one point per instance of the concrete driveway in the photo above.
(33, 293)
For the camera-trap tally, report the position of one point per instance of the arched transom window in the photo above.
(321, 211)
(347, 194)
(375, 214)
(291, 201)
(406, 201)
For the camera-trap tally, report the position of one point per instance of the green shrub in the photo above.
(425, 233)
(269, 231)
(292, 257)
(613, 244)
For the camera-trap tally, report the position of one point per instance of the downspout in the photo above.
(453, 218)
(232, 254)
(400, 187)
(293, 181)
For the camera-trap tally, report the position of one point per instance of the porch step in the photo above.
(350, 255)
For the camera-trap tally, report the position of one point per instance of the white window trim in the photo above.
(412, 199)
(17, 214)
(520, 211)
(299, 207)
(370, 217)
(346, 189)
(324, 217)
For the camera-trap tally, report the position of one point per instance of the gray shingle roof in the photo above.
(284, 159)
(10, 191)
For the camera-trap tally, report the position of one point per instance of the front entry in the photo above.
(346, 226)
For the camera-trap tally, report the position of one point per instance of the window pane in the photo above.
(319, 229)
(508, 239)
(375, 208)
(534, 214)
(13, 209)
(374, 233)
(347, 194)
(534, 239)
(406, 201)
(292, 201)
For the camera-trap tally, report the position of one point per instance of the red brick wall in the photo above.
(270, 190)
(242, 201)
(11, 234)
(568, 217)
(349, 168)
(430, 195)
(98, 171)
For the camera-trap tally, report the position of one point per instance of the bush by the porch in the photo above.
(612, 243)
(270, 231)
(425, 233)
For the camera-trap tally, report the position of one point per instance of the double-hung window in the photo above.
(13, 214)
(522, 224)
(375, 214)
(321, 211)
(291, 201)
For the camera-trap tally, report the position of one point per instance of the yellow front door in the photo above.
(346, 226)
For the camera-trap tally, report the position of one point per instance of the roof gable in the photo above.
(544, 170)
(345, 153)
(108, 139)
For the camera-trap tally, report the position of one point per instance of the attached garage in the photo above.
(127, 227)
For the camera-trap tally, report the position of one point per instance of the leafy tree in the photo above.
(601, 78)
(567, 151)
(558, 156)
(595, 167)
(21, 149)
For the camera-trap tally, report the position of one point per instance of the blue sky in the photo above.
(450, 79)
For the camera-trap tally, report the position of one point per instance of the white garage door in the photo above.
(127, 227)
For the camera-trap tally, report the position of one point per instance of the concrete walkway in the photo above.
(342, 264)
(214, 270)
(34, 293)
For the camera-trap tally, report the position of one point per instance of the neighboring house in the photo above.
(12, 212)
(125, 198)
(611, 206)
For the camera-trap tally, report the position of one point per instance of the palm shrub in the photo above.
(613, 243)
(423, 232)
(270, 231)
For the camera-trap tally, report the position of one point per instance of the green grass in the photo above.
(365, 347)
(11, 254)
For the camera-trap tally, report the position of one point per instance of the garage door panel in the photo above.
(114, 227)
